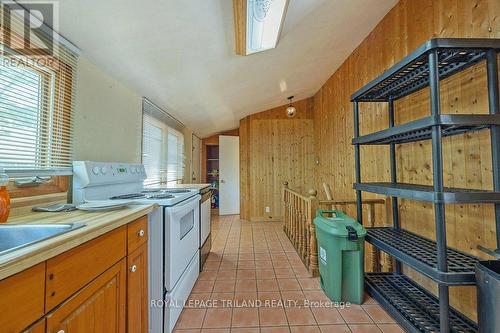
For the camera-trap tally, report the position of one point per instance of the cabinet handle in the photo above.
(60, 331)
(133, 268)
(141, 233)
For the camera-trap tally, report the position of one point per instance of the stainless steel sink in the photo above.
(16, 236)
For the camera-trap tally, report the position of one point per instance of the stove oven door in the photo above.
(181, 238)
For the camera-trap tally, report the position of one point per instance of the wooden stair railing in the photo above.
(299, 227)
(299, 213)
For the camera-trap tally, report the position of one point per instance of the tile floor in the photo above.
(254, 282)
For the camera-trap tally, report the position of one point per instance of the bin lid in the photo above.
(336, 225)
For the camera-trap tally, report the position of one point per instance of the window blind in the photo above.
(162, 146)
(37, 94)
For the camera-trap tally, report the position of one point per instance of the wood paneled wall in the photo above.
(467, 157)
(275, 149)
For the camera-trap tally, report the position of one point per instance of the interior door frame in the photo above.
(193, 166)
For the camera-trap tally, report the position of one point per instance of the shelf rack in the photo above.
(417, 309)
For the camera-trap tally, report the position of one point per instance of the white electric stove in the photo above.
(173, 255)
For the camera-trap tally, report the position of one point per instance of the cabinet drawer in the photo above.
(21, 301)
(72, 270)
(137, 233)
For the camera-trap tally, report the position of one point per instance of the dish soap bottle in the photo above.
(4, 198)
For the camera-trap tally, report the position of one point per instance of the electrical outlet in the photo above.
(268, 209)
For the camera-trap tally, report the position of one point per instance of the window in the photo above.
(36, 109)
(162, 146)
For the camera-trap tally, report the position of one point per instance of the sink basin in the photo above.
(16, 236)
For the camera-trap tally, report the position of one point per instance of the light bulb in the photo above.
(290, 111)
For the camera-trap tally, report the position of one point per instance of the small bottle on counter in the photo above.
(4, 198)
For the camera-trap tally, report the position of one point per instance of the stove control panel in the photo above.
(88, 173)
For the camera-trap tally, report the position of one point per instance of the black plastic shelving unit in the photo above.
(415, 308)
(427, 193)
(418, 130)
(421, 254)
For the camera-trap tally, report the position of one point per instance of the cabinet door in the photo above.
(137, 301)
(21, 299)
(39, 327)
(97, 308)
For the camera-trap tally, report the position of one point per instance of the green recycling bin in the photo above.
(340, 255)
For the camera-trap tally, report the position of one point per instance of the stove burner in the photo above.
(160, 196)
(151, 190)
(128, 196)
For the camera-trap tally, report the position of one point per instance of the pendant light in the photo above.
(290, 110)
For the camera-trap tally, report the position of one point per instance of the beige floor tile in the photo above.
(191, 318)
(245, 317)
(272, 317)
(246, 264)
(299, 316)
(245, 274)
(378, 314)
(284, 273)
(309, 283)
(390, 328)
(275, 329)
(245, 330)
(364, 328)
(288, 284)
(355, 315)
(267, 285)
(326, 316)
(304, 329)
(246, 285)
(207, 275)
(263, 274)
(334, 329)
(226, 275)
(203, 286)
(218, 318)
(222, 286)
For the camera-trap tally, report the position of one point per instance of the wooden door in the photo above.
(137, 284)
(196, 160)
(229, 178)
(97, 308)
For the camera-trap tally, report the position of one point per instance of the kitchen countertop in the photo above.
(96, 224)
(196, 186)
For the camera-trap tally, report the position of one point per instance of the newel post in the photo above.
(313, 257)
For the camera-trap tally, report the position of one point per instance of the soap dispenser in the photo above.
(4, 198)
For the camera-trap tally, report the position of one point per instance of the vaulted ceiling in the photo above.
(181, 54)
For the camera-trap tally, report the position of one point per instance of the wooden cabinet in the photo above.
(137, 301)
(21, 299)
(99, 286)
(73, 269)
(98, 307)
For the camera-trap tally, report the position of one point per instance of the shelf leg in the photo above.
(493, 101)
(394, 178)
(439, 209)
(357, 155)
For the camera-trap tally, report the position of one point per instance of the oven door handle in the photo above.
(192, 203)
